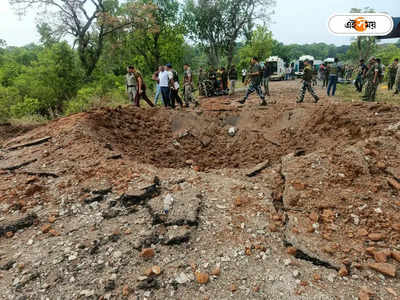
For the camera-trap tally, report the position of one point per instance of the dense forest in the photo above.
(56, 77)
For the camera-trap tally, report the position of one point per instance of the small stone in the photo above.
(202, 278)
(343, 271)
(9, 234)
(182, 278)
(376, 236)
(147, 253)
(314, 216)
(370, 251)
(20, 267)
(126, 291)
(381, 165)
(189, 162)
(396, 255)
(45, 228)
(291, 251)
(365, 293)
(317, 277)
(148, 272)
(54, 232)
(52, 219)
(287, 262)
(273, 227)
(296, 273)
(216, 271)
(362, 232)
(396, 227)
(384, 268)
(156, 270)
(233, 288)
(382, 256)
(30, 242)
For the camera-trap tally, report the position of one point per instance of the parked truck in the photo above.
(278, 68)
(299, 64)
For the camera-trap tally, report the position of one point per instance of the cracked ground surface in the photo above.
(301, 203)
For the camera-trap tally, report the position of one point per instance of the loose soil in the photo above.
(75, 217)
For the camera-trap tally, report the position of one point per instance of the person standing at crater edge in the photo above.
(255, 75)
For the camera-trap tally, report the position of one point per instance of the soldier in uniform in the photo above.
(224, 77)
(212, 76)
(141, 90)
(372, 77)
(233, 77)
(362, 69)
(202, 78)
(392, 71)
(255, 75)
(307, 78)
(397, 82)
(188, 86)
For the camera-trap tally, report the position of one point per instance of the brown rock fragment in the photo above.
(384, 268)
(45, 228)
(396, 255)
(291, 251)
(201, 278)
(382, 256)
(393, 183)
(52, 219)
(216, 271)
(376, 236)
(365, 293)
(9, 234)
(343, 271)
(147, 253)
(362, 232)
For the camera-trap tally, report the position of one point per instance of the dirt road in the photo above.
(284, 202)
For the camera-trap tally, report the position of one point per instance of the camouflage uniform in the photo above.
(131, 86)
(255, 84)
(392, 71)
(397, 81)
(307, 78)
(371, 86)
(188, 88)
(202, 78)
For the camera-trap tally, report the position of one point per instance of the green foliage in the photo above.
(26, 107)
(388, 53)
(260, 45)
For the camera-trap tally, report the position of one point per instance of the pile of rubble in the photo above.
(285, 203)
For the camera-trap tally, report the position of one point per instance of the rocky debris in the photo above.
(258, 168)
(176, 235)
(8, 265)
(147, 253)
(365, 293)
(232, 131)
(184, 211)
(28, 144)
(384, 268)
(14, 226)
(135, 196)
(148, 284)
(201, 277)
(16, 165)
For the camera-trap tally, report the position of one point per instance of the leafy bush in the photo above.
(27, 107)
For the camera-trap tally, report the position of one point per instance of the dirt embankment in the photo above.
(326, 192)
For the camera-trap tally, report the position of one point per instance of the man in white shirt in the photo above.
(165, 76)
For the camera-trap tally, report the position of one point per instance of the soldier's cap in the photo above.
(130, 67)
(306, 60)
(168, 65)
(372, 58)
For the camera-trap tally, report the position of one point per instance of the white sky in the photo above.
(294, 21)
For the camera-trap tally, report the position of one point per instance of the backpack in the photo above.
(175, 76)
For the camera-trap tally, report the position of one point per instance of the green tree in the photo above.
(217, 25)
(89, 22)
(54, 78)
(260, 45)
